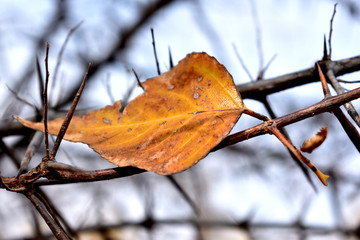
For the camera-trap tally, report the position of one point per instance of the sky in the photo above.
(292, 31)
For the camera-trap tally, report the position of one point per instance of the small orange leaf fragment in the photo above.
(315, 141)
(182, 115)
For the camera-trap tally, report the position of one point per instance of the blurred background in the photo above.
(252, 190)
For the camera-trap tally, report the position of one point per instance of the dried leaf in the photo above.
(181, 116)
(315, 141)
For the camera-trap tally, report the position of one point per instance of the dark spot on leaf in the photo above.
(106, 121)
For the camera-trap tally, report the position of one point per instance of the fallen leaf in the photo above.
(182, 115)
(315, 141)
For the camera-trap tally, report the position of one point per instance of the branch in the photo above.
(259, 89)
(57, 230)
(327, 105)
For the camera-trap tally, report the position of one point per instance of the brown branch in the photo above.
(327, 105)
(61, 175)
(259, 89)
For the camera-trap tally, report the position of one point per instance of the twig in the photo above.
(138, 79)
(53, 211)
(155, 54)
(348, 81)
(183, 193)
(8, 152)
(54, 227)
(46, 102)
(61, 52)
(19, 98)
(68, 117)
(322, 177)
(258, 36)
(242, 63)
(284, 132)
(40, 79)
(331, 30)
(348, 127)
(339, 89)
(31, 149)
(262, 71)
(258, 89)
(108, 88)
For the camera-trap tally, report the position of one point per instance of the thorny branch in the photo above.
(52, 172)
(58, 173)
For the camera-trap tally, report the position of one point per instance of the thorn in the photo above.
(256, 115)
(325, 54)
(171, 63)
(69, 115)
(138, 80)
(323, 82)
(154, 47)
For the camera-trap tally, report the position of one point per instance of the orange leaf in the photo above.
(314, 141)
(182, 115)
